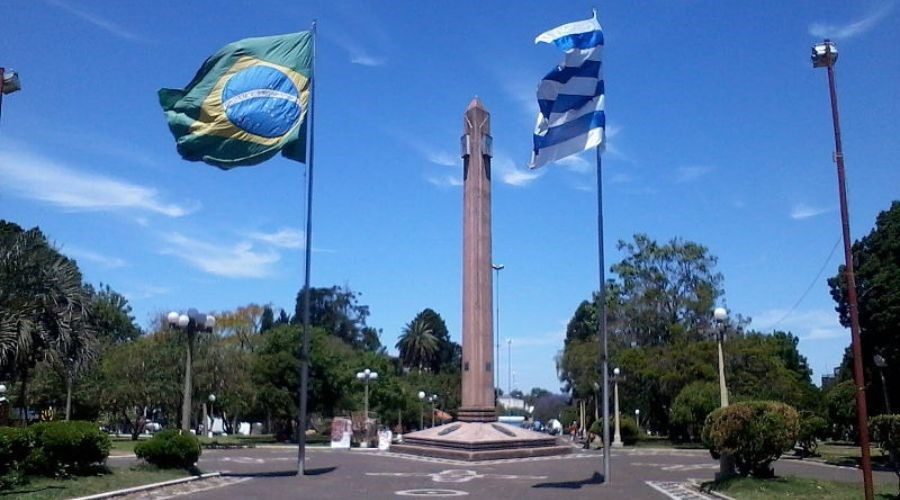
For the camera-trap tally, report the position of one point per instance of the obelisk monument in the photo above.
(477, 435)
(477, 317)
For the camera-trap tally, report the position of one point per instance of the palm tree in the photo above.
(418, 345)
(44, 308)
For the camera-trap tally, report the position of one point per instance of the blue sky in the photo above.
(719, 132)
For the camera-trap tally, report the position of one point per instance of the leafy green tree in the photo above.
(841, 407)
(267, 321)
(877, 269)
(337, 311)
(691, 407)
(668, 290)
(112, 316)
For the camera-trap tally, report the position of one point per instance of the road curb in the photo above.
(146, 487)
(696, 486)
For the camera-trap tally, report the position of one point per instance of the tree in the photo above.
(243, 323)
(691, 407)
(45, 311)
(337, 311)
(418, 345)
(267, 321)
(667, 290)
(841, 407)
(877, 271)
(112, 316)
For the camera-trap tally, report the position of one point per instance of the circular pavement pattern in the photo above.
(431, 492)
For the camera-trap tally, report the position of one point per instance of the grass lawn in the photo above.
(746, 488)
(849, 455)
(114, 478)
(122, 447)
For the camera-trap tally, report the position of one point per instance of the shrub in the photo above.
(754, 434)
(690, 408)
(63, 448)
(15, 445)
(885, 431)
(170, 449)
(812, 429)
(628, 429)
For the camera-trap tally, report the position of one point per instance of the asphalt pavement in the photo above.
(636, 473)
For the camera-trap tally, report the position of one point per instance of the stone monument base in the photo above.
(474, 441)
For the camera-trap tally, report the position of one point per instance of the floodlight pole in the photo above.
(852, 301)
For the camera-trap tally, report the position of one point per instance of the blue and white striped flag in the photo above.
(571, 97)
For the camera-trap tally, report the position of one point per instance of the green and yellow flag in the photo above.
(246, 103)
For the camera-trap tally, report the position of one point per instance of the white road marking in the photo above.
(431, 493)
(677, 490)
(453, 475)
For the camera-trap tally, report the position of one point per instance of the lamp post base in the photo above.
(617, 443)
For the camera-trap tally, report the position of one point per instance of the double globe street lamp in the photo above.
(190, 323)
(431, 399)
(365, 376)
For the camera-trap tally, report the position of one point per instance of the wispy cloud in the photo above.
(801, 211)
(577, 164)
(283, 238)
(144, 291)
(691, 173)
(852, 29)
(91, 256)
(445, 180)
(238, 260)
(430, 153)
(35, 177)
(100, 22)
(817, 324)
(506, 170)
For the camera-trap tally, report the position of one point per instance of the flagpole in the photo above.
(601, 319)
(304, 355)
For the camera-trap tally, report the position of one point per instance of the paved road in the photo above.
(636, 474)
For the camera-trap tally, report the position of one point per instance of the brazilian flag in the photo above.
(246, 103)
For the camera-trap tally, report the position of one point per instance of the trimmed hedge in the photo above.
(885, 430)
(812, 429)
(753, 433)
(15, 445)
(170, 449)
(628, 429)
(63, 448)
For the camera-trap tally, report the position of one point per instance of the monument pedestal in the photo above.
(474, 441)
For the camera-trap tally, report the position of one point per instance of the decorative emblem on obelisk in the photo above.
(477, 320)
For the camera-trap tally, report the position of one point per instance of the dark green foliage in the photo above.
(337, 312)
(754, 433)
(841, 407)
(64, 448)
(877, 271)
(15, 446)
(170, 449)
(628, 429)
(812, 429)
(691, 406)
(885, 431)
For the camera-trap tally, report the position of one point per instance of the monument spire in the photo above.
(477, 313)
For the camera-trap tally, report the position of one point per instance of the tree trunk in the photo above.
(188, 385)
(23, 396)
(68, 394)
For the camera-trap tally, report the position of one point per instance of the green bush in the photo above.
(753, 433)
(812, 429)
(628, 429)
(15, 445)
(170, 449)
(885, 430)
(63, 448)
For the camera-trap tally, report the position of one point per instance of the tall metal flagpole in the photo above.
(604, 358)
(304, 355)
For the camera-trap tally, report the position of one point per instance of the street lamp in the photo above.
(824, 55)
(720, 315)
(190, 323)
(509, 366)
(365, 376)
(422, 410)
(497, 268)
(4, 407)
(433, 400)
(881, 363)
(617, 436)
(637, 419)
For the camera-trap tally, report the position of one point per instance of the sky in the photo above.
(719, 132)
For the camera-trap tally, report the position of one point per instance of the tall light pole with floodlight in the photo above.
(720, 315)
(497, 268)
(9, 83)
(190, 323)
(824, 55)
(617, 435)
